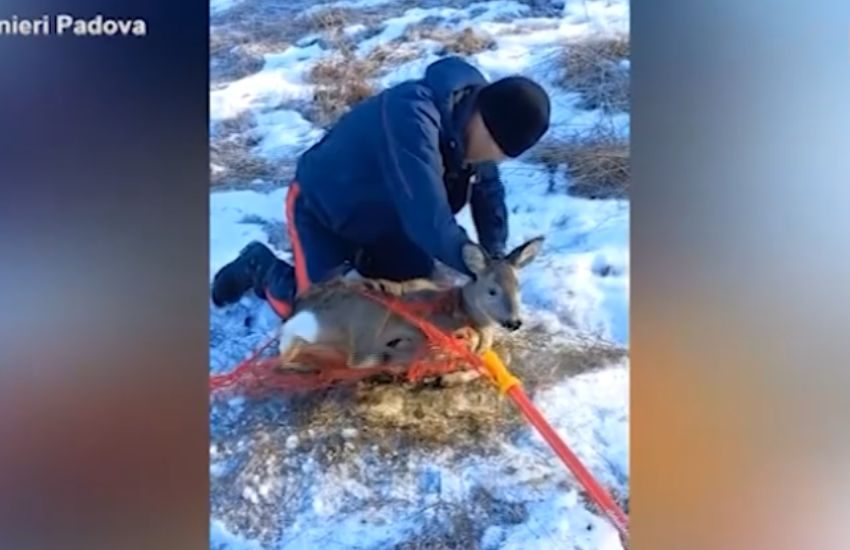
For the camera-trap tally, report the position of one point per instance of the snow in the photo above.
(220, 6)
(578, 287)
(276, 144)
(230, 228)
(354, 4)
(454, 18)
(221, 538)
(553, 521)
(280, 80)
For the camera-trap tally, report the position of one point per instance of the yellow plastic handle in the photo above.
(501, 375)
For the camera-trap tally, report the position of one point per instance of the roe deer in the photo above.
(337, 316)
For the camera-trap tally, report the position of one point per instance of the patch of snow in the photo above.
(353, 30)
(229, 230)
(285, 134)
(249, 494)
(353, 4)
(604, 425)
(280, 81)
(555, 520)
(600, 16)
(217, 469)
(453, 18)
(363, 529)
(220, 6)
(222, 539)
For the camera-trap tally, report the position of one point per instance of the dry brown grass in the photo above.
(592, 68)
(341, 80)
(253, 29)
(234, 161)
(465, 42)
(597, 162)
(344, 79)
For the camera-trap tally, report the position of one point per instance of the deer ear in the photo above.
(475, 258)
(522, 255)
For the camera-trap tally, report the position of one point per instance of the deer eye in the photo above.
(492, 292)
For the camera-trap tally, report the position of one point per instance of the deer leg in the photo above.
(486, 335)
(323, 357)
(290, 350)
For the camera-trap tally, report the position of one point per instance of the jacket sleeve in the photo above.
(489, 212)
(411, 166)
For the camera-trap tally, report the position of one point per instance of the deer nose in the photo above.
(512, 324)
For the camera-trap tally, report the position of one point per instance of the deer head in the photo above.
(492, 297)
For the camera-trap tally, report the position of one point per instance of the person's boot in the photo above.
(245, 272)
(278, 287)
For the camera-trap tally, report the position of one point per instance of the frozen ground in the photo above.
(270, 488)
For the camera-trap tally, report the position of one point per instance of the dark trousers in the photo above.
(320, 254)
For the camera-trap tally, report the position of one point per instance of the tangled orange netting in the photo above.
(262, 373)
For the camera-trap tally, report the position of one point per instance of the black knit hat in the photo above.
(516, 112)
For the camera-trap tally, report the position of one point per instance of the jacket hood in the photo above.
(450, 75)
(452, 79)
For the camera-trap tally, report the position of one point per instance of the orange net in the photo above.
(321, 367)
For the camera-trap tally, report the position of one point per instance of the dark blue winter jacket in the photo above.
(394, 163)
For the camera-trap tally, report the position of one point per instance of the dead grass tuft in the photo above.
(232, 161)
(597, 162)
(253, 29)
(344, 79)
(468, 42)
(465, 42)
(593, 68)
